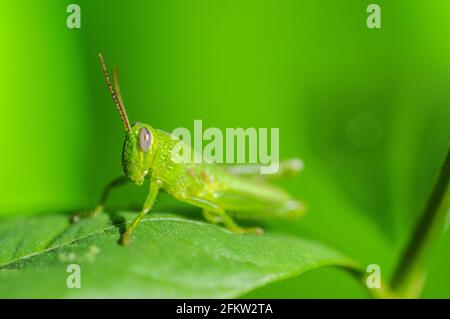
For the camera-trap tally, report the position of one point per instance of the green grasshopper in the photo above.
(220, 192)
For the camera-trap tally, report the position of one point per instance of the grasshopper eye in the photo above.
(145, 139)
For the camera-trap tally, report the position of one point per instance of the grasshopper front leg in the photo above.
(148, 205)
(119, 181)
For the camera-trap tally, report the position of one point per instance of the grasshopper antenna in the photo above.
(117, 88)
(117, 98)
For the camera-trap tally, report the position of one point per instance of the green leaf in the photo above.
(169, 257)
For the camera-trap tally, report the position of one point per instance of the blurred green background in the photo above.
(367, 110)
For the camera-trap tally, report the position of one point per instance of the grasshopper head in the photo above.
(138, 152)
(139, 146)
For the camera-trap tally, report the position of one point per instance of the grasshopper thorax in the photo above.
(138, 152)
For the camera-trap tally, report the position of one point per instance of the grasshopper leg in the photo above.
(148, 205)
(235, 228)
(286, 168)
(101, 205)
(215, 214)
(211, 217)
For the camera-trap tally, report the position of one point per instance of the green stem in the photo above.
(410, 274)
